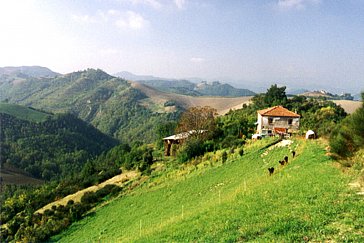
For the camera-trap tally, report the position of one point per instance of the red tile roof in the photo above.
(278, 111)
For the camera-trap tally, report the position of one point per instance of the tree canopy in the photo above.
(198, 119)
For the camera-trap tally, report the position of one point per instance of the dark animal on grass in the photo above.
(282, 162)
(271, 170)
(286, 159)
(293, 154)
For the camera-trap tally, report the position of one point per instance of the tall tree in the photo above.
(276, 96)
(200, 120)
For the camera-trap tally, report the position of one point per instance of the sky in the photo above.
(312, 44)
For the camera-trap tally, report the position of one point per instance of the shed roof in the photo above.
(278, 111)
(183, 135)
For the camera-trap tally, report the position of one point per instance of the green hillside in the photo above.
(306, 200)
(23, 113)
(109, 103)
(54, 148)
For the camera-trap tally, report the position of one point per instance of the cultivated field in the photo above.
(349, 105)
(307, 200)
(221, 104)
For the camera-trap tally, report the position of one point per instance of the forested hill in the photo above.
(53, 148)
(107, 102)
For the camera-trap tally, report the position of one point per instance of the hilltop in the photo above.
(207, 200)
(31, 71)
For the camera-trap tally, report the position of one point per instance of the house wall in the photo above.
(259, 121)
(281, 122)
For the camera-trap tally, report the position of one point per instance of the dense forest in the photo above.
(54, 148)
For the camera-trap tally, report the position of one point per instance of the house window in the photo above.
(290, 121)
(270, 120)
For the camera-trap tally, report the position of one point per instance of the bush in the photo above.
(232, 141)
(224, 157)
(190, 149)
(348, 137)
(89, 198)
(241, 152)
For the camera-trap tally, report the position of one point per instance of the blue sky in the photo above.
(252, 43)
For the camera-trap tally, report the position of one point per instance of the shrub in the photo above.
(89, 198)
(232, 141)
(190, 149)
(224, 157)
(241, 152)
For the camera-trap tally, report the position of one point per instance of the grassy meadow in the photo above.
(307, 200)
(23, 113)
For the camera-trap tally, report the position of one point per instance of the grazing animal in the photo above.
(286, 159)
(282, 162)
(293, 153)
(271, 170)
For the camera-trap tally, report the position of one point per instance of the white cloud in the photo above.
(180, 3)
(296, 4)
(131, 20)
(197, 59)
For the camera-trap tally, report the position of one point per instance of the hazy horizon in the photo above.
(296, 43)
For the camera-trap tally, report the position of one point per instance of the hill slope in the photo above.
(307, 200)
(55, 147)
(350, 106)
(221, 104)
(109, 103)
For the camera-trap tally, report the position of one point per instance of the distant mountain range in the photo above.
(187, 87)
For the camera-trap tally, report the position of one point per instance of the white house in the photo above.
(277, 120)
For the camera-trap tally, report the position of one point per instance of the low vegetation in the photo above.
(306, 200)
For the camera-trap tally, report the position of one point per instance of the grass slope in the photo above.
(308, 199)
(23, 113)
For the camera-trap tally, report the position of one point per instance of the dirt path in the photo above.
(76, 197)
